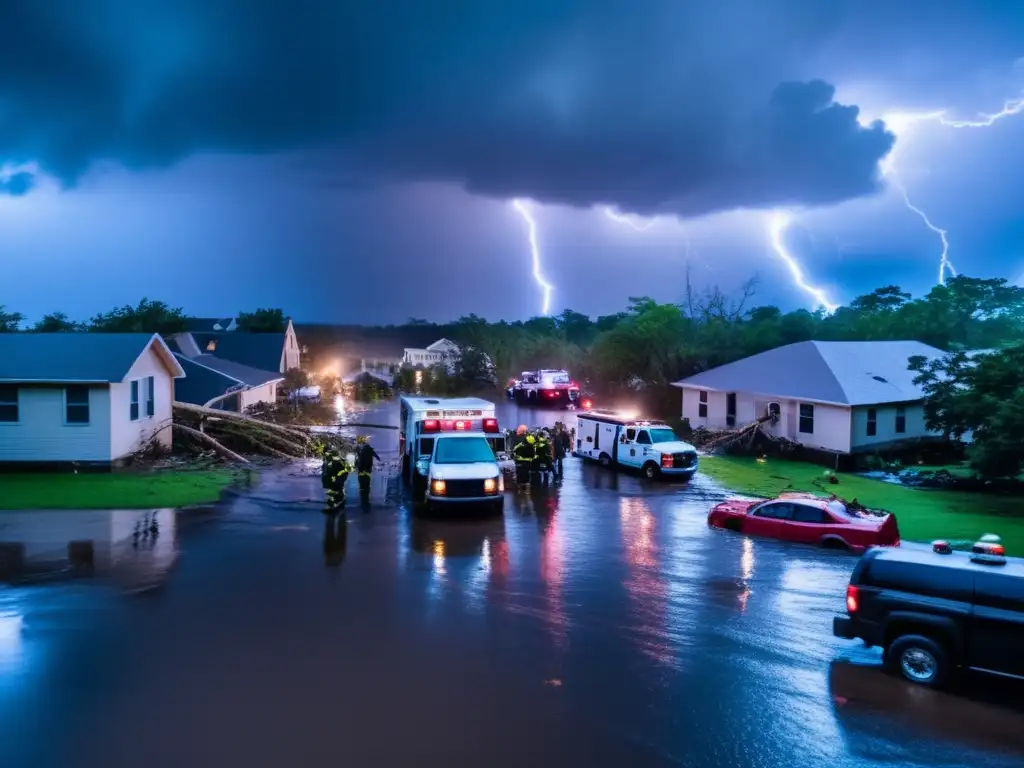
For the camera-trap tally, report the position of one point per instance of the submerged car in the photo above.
(809, 519)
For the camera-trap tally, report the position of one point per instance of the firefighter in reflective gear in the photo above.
(523, 453)
(334, 474)
(543, 458)
(364, 465)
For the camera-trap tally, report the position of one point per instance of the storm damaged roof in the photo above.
(842, 372)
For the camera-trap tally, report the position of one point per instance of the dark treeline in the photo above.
(649, 345)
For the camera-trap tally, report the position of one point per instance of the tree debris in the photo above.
(234, 436)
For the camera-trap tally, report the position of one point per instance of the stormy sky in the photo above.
(355, 161)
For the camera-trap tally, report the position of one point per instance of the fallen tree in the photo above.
(234, 436)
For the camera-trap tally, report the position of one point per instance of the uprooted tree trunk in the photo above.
(722, 443)
(232, 434)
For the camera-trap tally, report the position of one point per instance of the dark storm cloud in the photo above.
(651, 105)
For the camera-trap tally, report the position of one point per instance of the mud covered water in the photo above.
(599, 622)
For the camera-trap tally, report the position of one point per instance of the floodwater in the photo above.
(600, 622)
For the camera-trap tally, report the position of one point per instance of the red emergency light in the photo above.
(460, 425)
(587, 405)
(490, 425)
(431, 425)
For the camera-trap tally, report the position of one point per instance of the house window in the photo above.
(150, 396)
(76, 405)
(8, 404)
(133, 410)
(872, 428)
(702, 406)
(730, 409)
(901, 420)
(807, 418)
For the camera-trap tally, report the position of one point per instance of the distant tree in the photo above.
(263, 321)
(295, 379)
(473, 367)
(981, 394)
(10, 321)
(57, 322)
(147, 317)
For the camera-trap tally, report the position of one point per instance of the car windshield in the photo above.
(663, 435)
(558, 378)
(463, 450)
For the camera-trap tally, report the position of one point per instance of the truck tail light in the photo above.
(852, 599)
(666, 461)
(490, 425)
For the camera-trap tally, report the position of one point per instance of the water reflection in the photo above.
(746, 572)
(134, 548)
(335, 538)
(552, 563)
(985, 714)
(463, 554)
(645, 584)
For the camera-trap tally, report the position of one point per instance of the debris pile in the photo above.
(234, 436)
(750, 439)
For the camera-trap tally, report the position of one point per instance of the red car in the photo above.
(809, 519)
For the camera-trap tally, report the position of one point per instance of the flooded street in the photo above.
(600, 622)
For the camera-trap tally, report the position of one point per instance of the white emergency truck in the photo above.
(424, 420)
(461, 471)
(620, 440)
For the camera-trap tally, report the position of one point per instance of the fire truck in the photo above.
(546, 387)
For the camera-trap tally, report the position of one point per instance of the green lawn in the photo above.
(923, 515)
(115, 490)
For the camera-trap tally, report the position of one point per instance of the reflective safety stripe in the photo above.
(365, 474)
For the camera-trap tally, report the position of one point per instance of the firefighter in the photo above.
(364, 465)
(523, 453)
(560, 447)
(543, 454)
(334, 474)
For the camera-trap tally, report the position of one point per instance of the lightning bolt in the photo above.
(538, 275)
(898, 122)
(640, 225)
(778, 223)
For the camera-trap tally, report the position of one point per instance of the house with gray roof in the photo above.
(837, 396)
(90, 398)
(222, 384)
(274, 352)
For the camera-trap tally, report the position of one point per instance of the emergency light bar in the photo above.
(433, 426)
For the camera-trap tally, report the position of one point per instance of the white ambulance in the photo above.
(425, 422)
(621, 440)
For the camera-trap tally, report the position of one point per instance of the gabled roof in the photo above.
(95, 358)
(242, 374)
(843, 372)
(210, 324)
(201, 384)
(262, 351)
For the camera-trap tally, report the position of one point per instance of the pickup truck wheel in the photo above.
(919, 659)
(651, 470)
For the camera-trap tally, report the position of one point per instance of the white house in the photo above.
(440, 352)
(838, 396)
(93, 398)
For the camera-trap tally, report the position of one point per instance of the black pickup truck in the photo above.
(935, 610)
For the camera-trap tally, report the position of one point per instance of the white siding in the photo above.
(885, 425)
(42, 436)
(127, 436)
(831, 422)
(264, 394)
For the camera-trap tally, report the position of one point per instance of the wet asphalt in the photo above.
(599, 622)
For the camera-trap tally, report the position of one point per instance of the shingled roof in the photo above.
(77, 357)
(262, 351)
(842, 372)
